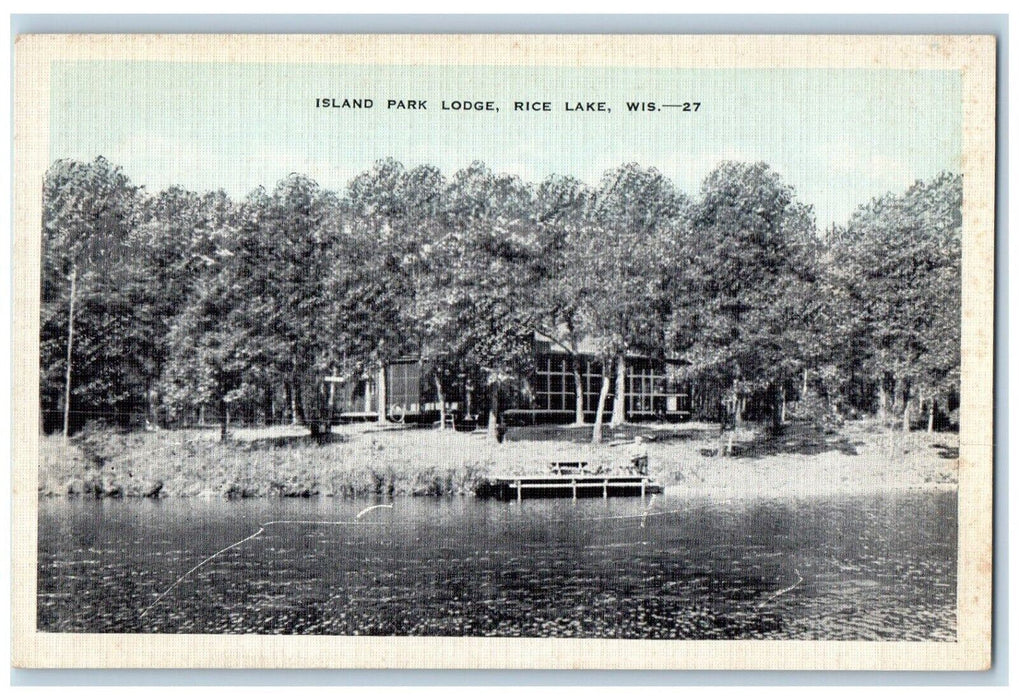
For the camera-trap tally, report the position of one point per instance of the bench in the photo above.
(568, 467)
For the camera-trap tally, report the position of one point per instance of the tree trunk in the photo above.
(599, 416)
(70, 347)
(803, 391)
(299, 408)
(311, 404)
(332, 402)
(468, 395)
(224, 419)
(323, 397)
(882, 400)
(907, 405)
(493, 412)
(781, 418)
(619, 401)
(737, 406)
(292, 395)
(578, 388)
(150, 406)
(381, 394)
(930, 415)
(441, 397)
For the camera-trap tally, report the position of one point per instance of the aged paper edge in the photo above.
(972, 56)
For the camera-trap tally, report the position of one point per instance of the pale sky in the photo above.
(839, 137)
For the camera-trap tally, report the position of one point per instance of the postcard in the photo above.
(503, 351)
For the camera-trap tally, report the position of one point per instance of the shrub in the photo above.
(99, 442)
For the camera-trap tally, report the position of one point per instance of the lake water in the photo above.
(859, 568)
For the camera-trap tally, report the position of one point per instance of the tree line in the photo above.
(167, 303)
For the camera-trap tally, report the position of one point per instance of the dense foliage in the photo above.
(181, 306)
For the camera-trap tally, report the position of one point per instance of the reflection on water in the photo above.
(835, 569)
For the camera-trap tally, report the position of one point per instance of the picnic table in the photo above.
(568, 467)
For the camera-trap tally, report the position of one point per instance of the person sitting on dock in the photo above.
(639, 458)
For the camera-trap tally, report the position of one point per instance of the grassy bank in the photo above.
(359, 460)
(860, 457)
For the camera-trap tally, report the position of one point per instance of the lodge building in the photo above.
(654, 391)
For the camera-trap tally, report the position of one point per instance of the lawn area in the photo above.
(362, 459)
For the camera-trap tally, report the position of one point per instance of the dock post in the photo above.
(605, 489)
(574, 483)
(520, 491)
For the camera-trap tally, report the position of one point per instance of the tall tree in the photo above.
(746, 273)
(560, 216)
(480, 304)
(285, 251)
(635, 218)
(88, 213)
(394, 214)
(179, 240)
(211, 359)
(897, 264)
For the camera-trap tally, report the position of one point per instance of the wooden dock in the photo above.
(518, 487)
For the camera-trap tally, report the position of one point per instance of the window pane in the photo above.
(569, 386)
(541, 383)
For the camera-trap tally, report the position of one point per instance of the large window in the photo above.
(645, 389)
(404, 389)
(555, 389)
(592, 386)
(649, 391)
